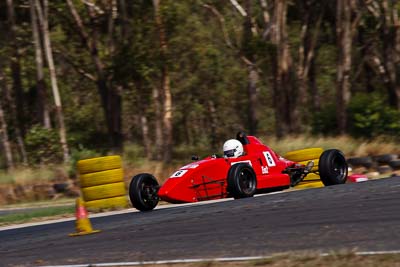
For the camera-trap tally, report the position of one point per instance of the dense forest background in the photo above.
(95, 75)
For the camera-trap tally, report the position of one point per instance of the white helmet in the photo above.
(233, 148)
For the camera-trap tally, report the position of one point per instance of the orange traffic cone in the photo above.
(82, 224)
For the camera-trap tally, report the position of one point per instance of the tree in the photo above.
(44, 23)
(311, 18)
(283, 72)
(391, 49)
(16, 66)
(44, 114)
(344, 44)
(5, 141)
(164, 92)
(16, 102)
(110, 96)
(250, 34)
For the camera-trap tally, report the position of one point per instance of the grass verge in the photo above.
(39, 214)
(336, 259)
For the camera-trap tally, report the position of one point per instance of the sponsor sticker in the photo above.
(264, 170)
(178, 174)
(269, 159)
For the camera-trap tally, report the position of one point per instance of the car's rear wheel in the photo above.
(333, 168)
(242, 181)
(143, 192)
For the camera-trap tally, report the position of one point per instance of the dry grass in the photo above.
(25, 175)
(25, 178)
(350, 146)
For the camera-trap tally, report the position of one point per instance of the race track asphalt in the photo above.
(360, 216)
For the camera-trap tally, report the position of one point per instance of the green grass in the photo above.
(42, 214)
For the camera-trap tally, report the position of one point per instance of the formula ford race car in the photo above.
(258, 170)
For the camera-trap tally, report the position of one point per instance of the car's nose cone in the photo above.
(177, 190)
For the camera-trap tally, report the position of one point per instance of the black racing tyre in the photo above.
(395, 164)
(361, 161)
(333, 168)
(143, 192)
(386, 158)
(242, 181)
(384, 169)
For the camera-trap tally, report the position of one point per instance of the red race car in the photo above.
(248, 167)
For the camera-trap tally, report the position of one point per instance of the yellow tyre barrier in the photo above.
(310, 184)
(312, 177)
(99, 164)
(103, 177)
(104, 191)
(107, 203)
(102, 182)
(304, 154)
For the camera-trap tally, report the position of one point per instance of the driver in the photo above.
(233, 148)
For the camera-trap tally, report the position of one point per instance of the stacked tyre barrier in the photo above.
(102, 183)
(373, 166)
(303, 156)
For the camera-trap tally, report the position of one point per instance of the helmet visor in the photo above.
(229, 153)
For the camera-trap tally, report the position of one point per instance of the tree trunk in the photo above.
(110, 96)
(252, 96)
(124, 17)
(145, 134)
(344, 44)
(213, 123)
(43, 111)
(112, 15)
(391, 51)
(14, 119)
(142, 110)
(307, 47)
(165, 86)
(252, 74)
(158, 125)
(4, 139)
(315, 95)
(43, 19)
(16, 102)
(16, 68)
(284, 109)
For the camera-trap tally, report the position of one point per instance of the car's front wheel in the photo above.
(242, 181)
(143, 192)
(333, 167)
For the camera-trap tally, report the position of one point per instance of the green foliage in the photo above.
(133, 152)
(209, 79)
(324, 121)
(370, 116)
(43, 145)
(77, 154)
